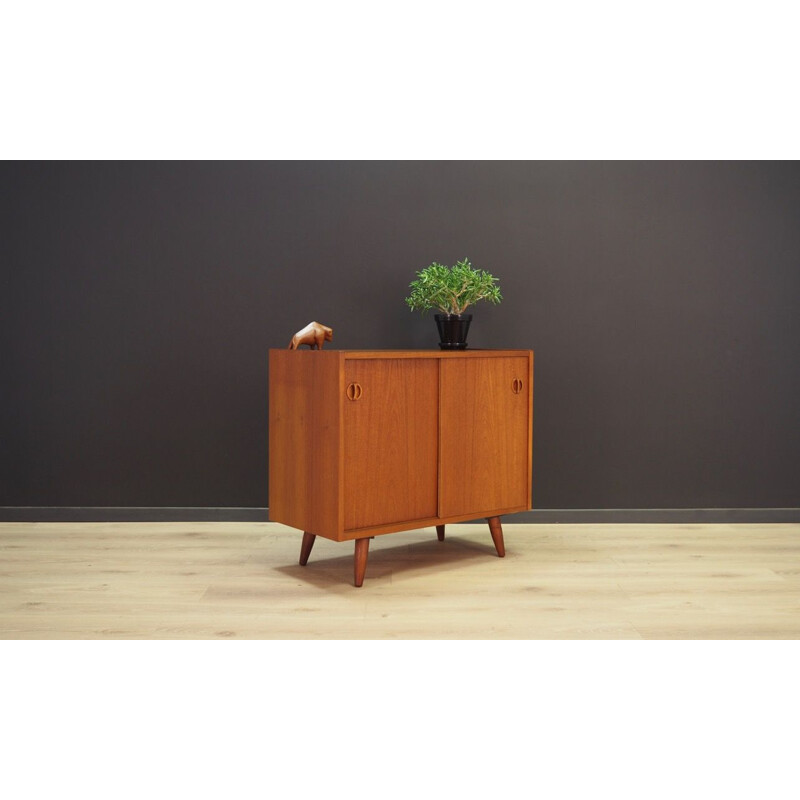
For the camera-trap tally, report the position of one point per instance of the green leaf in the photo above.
(452, 289)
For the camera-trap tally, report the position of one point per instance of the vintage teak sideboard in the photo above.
(367, 442)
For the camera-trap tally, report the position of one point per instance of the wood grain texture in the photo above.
(529, 480)
(440, 354)
(396, 527)
(304, 440)
(390, 441)
(222, 580)
(484, 435)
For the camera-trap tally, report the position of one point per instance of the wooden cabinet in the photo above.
(363, 443)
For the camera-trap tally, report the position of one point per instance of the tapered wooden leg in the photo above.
(440, 532)
(496, 529)
(360, 561)
(305, 548)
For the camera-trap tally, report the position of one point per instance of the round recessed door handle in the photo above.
(516, 385)
(354, 391)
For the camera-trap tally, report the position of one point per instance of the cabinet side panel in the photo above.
(285, 470)
(530, 430)
(485, 435)
(304, 440)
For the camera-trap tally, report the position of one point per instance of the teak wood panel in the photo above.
(304, 432)
(390, 441)
(438, 354)
(485, 435)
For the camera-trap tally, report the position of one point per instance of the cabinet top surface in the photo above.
(476, 353)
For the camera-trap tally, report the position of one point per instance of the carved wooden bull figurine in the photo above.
(313, 335)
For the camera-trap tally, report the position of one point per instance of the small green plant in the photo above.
(452, 289)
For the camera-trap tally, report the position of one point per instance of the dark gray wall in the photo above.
(139, 300)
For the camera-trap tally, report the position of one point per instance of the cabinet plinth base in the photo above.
(305, 548)
(440, 532)
(496, 529)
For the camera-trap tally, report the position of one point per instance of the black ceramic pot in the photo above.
(453, 330)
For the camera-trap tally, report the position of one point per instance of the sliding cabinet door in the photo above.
(391, 424)
(485, 435)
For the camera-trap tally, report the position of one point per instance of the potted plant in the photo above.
(452, 290)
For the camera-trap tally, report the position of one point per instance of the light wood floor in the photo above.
(225, 580)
